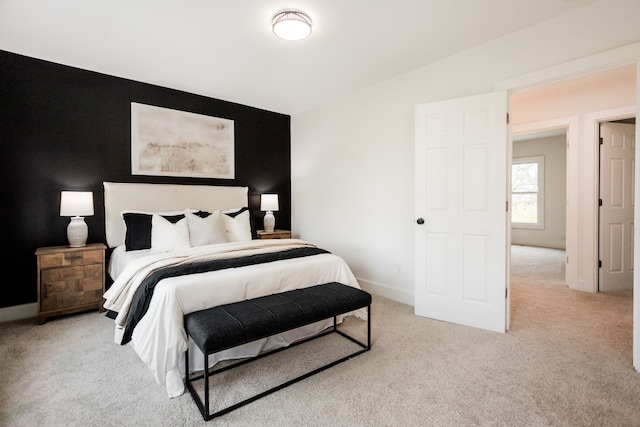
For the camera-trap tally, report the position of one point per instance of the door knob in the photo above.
(420, 221)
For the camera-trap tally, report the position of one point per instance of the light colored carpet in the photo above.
(567, 361)
(540, 264)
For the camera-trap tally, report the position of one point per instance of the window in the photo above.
(527, 192)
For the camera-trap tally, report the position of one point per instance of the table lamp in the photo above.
(77, 205)
(269, 203)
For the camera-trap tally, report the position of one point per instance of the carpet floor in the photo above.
(566, 361)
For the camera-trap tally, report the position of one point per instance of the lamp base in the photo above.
(77, 232)
(269, 222)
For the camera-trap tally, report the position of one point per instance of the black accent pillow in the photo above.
(138, 229)
(202, 214)
(173, 218)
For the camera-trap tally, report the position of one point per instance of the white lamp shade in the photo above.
(269, 202)
(76, 203)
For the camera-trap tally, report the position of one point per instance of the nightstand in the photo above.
(275, 234)
(70, 279)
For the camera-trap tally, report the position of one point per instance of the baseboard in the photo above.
(18, 312)
(387, 292)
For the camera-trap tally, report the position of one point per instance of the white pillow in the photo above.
(208, 230)
(238, 227)
(166, 236)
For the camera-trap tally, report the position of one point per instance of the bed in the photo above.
(183, 248)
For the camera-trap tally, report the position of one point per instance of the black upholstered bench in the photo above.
(230, 325)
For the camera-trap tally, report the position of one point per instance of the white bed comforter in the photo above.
(159, 338)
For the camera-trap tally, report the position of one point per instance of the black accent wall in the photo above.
(64, 128)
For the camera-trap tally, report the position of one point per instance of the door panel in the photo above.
(617, 170)
(461, 191)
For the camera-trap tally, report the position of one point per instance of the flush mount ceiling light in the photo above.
(291, 25)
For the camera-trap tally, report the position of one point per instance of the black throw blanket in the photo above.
(142, 297)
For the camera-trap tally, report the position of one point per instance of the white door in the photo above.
(461, 165)
(617, 170)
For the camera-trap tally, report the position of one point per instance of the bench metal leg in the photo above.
(204, 407)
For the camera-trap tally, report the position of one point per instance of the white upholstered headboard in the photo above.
(120, 196)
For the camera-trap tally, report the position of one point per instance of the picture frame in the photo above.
(166, 142)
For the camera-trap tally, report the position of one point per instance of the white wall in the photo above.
(554, 151)
(352, 160)
(579, 96)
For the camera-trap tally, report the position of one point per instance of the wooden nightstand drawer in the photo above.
(71, 286)
(76, 257)
(70, 279)
(275, 234)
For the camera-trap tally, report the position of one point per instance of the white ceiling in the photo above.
(225, 48)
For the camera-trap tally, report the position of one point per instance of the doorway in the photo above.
(538, 204)
(581, 262)
(579, 104)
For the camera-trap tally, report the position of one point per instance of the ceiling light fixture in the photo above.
(291, 25)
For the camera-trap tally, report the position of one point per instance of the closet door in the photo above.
(617, 170)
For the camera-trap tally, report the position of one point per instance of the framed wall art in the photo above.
(166, 142)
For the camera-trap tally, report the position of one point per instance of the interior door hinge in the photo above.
(507, 118)
(506, 293)
(599, 264)
(507, 206)
(599, 202)
(601, 141)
